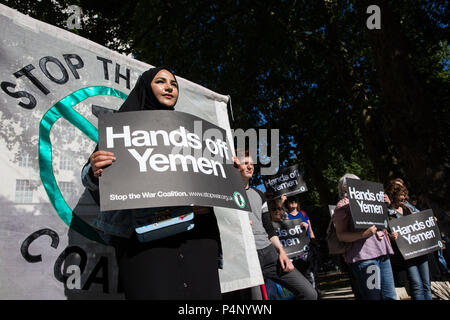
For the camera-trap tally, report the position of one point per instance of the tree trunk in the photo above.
(407, 110)
(354, 89)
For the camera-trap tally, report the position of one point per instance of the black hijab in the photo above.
(142, 96)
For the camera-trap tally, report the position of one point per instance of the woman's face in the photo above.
(291, 205)
(165, 88)
(399, 200)
(276, 211)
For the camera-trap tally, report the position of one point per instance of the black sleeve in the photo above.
(267, 224)
(95, 194)
(91, 174)
(407, 211)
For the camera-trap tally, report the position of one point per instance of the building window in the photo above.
(67, 189)
(68, 133)
(24, 191)
(24, 160)
(65, 162)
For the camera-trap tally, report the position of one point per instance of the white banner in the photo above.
(53, 83)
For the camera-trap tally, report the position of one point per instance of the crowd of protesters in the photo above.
(378, 248)
(185, 263)
(366, 250)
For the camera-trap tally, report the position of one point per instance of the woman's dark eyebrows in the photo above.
(164, 78)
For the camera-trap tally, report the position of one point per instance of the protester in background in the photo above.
(301, 262)
(416, 268)
(275, 264)
(181, 266)
(369, 251)
(308, 263)
(410, 206)
(397, 261)
(434, 260)
(437, 264)
(277, 212)
(294, 212)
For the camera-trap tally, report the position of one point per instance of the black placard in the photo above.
(292, 236)
(167, 158)
(367, 204)
(418, 234)
(287, 181)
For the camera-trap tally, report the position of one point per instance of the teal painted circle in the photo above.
(64, 109)
(239, 199)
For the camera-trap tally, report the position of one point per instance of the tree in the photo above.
(345, 98)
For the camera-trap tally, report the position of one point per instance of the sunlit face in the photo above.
(165, 88)
(291, 205)
(276, 211)
(247, 167)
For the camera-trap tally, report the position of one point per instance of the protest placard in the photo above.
(287, 181)
(292, 236)
(418, 234)
(367, 204)
(167, 158)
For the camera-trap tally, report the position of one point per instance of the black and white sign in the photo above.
(418, 234)
(367, 204)
(292, 236)
(167, 158)
(287, 181)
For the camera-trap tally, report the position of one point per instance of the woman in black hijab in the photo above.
(142, 97)
(182, 266)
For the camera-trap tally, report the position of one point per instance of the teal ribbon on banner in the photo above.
(64, 108)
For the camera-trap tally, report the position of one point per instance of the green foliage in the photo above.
(309, 68)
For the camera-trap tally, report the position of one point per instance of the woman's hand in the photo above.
(369, 232)
(304, 225)
(99, 160)
(393, 235)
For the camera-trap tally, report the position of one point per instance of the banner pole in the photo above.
(264, 292)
